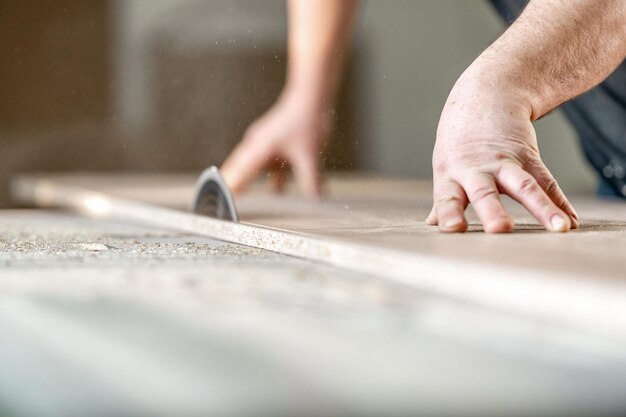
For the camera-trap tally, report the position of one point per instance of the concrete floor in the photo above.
(101, 318)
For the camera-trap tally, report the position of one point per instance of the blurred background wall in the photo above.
(172, 84)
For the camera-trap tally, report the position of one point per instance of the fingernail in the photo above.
(558, 223)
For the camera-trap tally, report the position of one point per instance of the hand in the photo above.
(293, 132)
(486, 145)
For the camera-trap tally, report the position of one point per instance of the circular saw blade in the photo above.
(213, 197)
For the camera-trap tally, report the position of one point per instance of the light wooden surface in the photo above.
(103, 317)
(376, 227)
(390, 213)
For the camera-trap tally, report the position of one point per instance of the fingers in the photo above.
(449, 208)
(279, 177)
(552, 189)
(524, 188)
(484, 195)
(431, 220)
(249, 158)
(307, 172)
(541, 197)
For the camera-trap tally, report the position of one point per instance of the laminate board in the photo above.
(113, 318)
(375, 226)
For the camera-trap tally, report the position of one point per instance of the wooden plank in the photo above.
(152, 324)
(375, 227)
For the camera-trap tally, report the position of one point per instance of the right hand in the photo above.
(487, 146)
(293, 133)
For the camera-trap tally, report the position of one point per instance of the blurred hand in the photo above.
(486, 145)
(293, 133)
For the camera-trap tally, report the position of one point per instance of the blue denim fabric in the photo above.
(599, 117)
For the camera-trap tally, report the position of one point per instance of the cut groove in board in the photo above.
(552, 294)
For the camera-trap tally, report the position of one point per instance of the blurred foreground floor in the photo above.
(102, 318)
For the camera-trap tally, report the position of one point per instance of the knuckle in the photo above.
(502, 156)
(551, 185)
(528, 186)
(448, 199)
(440, 166)
(482, 193)
(565, 206)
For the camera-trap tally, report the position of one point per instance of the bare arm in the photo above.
(295, 129)
(559, 49)
(318, 39)
(486, 144)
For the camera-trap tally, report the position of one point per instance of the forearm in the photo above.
(556, 50)
(319, 33)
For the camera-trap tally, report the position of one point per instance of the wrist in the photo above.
(307, 104)
(490, 83)
(309, 95)
(316, 84)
